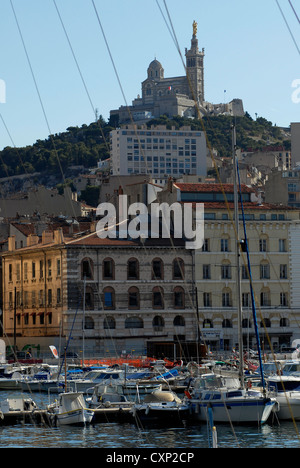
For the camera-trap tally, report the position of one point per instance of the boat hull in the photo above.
(238, 411)
(9, 384)
(289, 406)
(159, 415)
(77, 417)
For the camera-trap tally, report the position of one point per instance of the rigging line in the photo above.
(213, 159)
(106, 42)
(217, 172)
(199, 115)
(200, 118)
(287, 25)
(13, 143)
(168, 27)
(121, 87)
(80, 73)
(39, 97)
(109, 52)
(292, 7)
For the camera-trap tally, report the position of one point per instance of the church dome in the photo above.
(155, 70)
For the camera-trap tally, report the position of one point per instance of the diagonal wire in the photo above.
(287, 25)
(292, 7)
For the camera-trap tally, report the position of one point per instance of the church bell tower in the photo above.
(195, 69)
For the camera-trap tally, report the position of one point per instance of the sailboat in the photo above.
(227, 397)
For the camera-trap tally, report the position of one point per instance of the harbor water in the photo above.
(112, 435)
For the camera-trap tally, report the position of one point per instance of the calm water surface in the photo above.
(113, 435)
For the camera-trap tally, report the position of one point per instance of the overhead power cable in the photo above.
(287, 25)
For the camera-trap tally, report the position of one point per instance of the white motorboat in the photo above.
(291, 367)
(109, 396)
(229, 402)
(71, 409)
(286, 390)
(14, 375)
(13, 405)
(11, 383)
(162, 407)
(110, 404)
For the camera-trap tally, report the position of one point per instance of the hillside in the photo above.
(88, 144)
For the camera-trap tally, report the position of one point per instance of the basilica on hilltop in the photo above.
(181, 95)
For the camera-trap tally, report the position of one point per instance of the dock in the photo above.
(26, 417)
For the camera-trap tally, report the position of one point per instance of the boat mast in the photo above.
(83, 321)
(238, 272)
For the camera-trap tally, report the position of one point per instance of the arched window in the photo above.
(179, 321)
(132, 269)
(133, 298)
(246, 323)
(265, 323)
(284, 322)
(178, 269)
(158, 298)
(207, 323)
(108, 269)
(109, 323)
(179, 298)
(157, 269)
(87, 269)
(158, 323)
(108, 298)
(226, 323)
(134, 322)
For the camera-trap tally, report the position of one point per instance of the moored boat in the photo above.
(71, 409)
(286, 390)
(229, 402)
(161, 407)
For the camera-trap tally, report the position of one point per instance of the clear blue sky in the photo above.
(249, 53)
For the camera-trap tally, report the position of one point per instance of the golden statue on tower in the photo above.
(195, 28)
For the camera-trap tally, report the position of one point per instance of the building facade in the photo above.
(283, 187)
(109, 296)
(156, 297)
(34, 289)
(158, 151)
(273, 234)
(139, 297)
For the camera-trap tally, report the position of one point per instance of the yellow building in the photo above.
(34, 287)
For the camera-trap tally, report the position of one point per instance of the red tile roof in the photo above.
(25, 228)
(93, 239)
(227, 188)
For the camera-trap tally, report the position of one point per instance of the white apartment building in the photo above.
(158, 151)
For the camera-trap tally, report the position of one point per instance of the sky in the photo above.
(62, 59)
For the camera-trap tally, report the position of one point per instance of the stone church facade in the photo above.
(182, 95)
